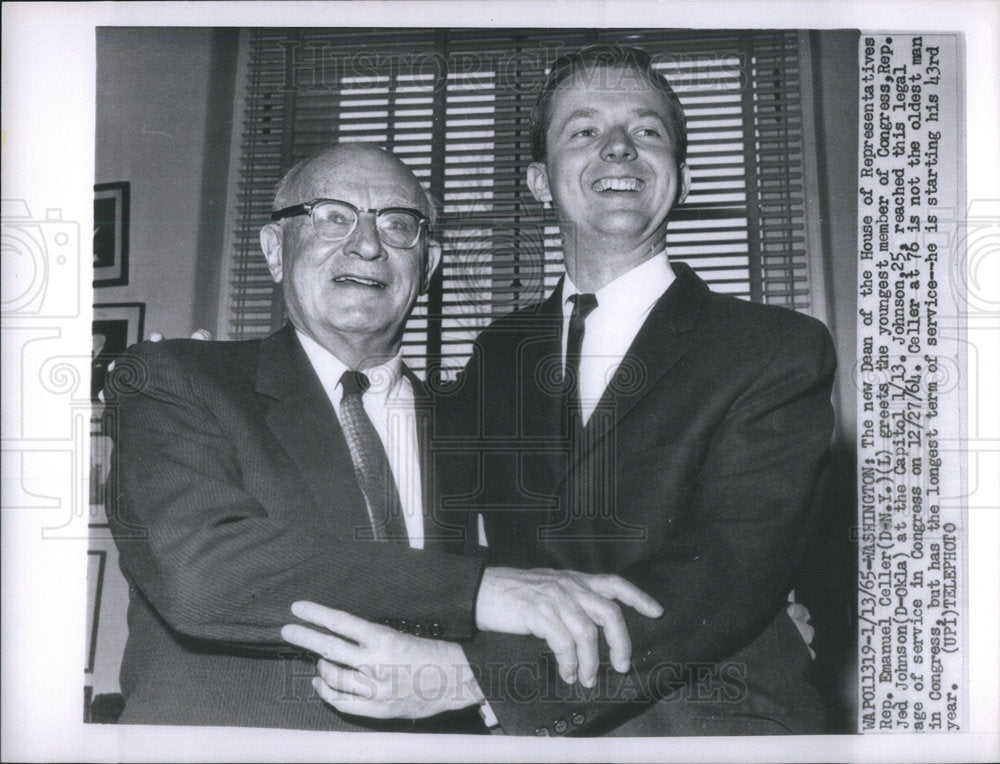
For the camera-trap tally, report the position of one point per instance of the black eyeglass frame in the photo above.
(306, 208)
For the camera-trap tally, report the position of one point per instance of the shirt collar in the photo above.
(633, 292)
(383, 378)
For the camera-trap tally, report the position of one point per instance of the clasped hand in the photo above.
(568, 610)
(367, 669)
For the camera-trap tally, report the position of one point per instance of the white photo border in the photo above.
(48, 163)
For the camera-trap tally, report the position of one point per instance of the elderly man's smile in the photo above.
(355, 280)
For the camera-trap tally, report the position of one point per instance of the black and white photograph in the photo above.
(700, 147)
(594, 383)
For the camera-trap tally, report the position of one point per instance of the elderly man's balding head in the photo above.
(350, 279)
(288, 190)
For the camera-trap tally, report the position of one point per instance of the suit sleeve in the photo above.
(722, 577)
(214, 562)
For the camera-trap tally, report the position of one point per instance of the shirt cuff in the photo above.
(490, 718)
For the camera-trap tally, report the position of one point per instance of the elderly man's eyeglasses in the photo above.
(334, 220)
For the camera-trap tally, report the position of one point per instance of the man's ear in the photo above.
(432, 260)
(538, 182)
(685, 183)
(270, 242)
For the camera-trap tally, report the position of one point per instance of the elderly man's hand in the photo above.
(197, 334)
(567, 609)
(371, 670)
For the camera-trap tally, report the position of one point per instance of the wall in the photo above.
(164, 121)
(828, 584)
(836, 77)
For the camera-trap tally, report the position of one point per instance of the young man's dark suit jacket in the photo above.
(236, 496)
(696, 479)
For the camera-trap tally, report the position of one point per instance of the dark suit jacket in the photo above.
(236, 496)
(696, 479)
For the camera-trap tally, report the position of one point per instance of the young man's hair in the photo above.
(609, 56)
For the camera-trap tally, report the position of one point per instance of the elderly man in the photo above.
(252, 474)
(694, 429)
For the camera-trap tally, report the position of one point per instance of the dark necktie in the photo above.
(370, 462)
(583, 304)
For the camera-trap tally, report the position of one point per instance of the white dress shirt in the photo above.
(389, 404)
(622, 307)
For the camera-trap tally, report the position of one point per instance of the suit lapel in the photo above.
(542, 413)
(437, 535)
(423, 413)
(302, 419)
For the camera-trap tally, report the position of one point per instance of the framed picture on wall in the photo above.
(115, 327)
(96, 563)
(111, 202)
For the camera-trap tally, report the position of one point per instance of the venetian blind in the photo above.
(454, 105)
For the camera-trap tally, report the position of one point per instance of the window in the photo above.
(454, 105)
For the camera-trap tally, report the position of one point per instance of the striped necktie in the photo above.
(370, 462)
